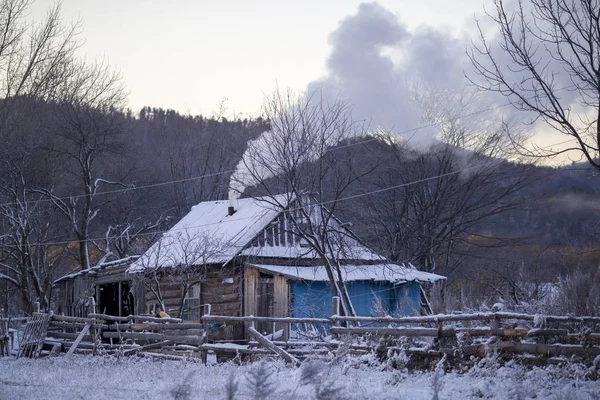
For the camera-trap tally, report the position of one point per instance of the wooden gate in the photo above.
(33, 337)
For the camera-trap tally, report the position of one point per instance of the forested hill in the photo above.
(184, 159)
(194, 153)
(563, 209)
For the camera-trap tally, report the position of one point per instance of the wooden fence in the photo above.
(9, 327)
(454, 336)
(548, 338)
(134, 334)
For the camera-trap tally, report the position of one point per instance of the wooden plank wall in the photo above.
(73, 293)
(112, 275)
(250, 286)
(281, 301)
(280, 297)
(221, 287)
(171, 288)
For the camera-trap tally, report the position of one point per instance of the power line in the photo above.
(321, 203)
(129, 188)
(291, 209)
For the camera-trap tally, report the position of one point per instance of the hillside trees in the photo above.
(436, 204)
(196, 153)
(440, 196)
(34, 57)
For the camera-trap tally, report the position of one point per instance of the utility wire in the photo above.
(251, 217)
(291, 209)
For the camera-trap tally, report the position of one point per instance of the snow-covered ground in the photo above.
(85, 377)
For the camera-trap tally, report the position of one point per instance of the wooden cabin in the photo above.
(245, 259)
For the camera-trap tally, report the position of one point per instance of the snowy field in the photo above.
(85, 377)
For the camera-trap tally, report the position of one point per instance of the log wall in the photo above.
(219, 286)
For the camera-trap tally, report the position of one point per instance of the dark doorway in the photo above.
(115, 299)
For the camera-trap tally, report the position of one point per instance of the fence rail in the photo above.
(454, 335)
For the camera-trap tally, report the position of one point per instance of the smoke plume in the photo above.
(376, 63)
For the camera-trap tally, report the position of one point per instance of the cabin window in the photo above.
(191, 304)
(291, 239)
(269, 235)
(282, 231)
(275, 227)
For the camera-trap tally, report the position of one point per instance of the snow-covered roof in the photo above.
(209, 235)
(397, 274)
(122, 262)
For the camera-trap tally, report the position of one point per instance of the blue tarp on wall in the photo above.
(313, 299)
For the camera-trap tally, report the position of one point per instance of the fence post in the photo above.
(205, 312)
(205, 322)
(496, 325)
(438, 340)
(335, 307)
(93, 304)
(36, 307)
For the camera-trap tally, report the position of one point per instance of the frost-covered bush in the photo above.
(579, 294)
(319, 375)
(183, 390)
(127, 378)
(231, 387)
(436, 378)
(259, 382)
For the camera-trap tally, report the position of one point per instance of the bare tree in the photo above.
(546, 61)
(27, 262)
(179, 257)
(35, 59)
(88, 127)
(123, 238)
(578, 293)
(298, 157)
(437, 200)
(207, 152)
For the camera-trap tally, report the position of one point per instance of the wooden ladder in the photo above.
(425, 304)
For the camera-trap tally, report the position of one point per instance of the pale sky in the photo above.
(189, 55)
